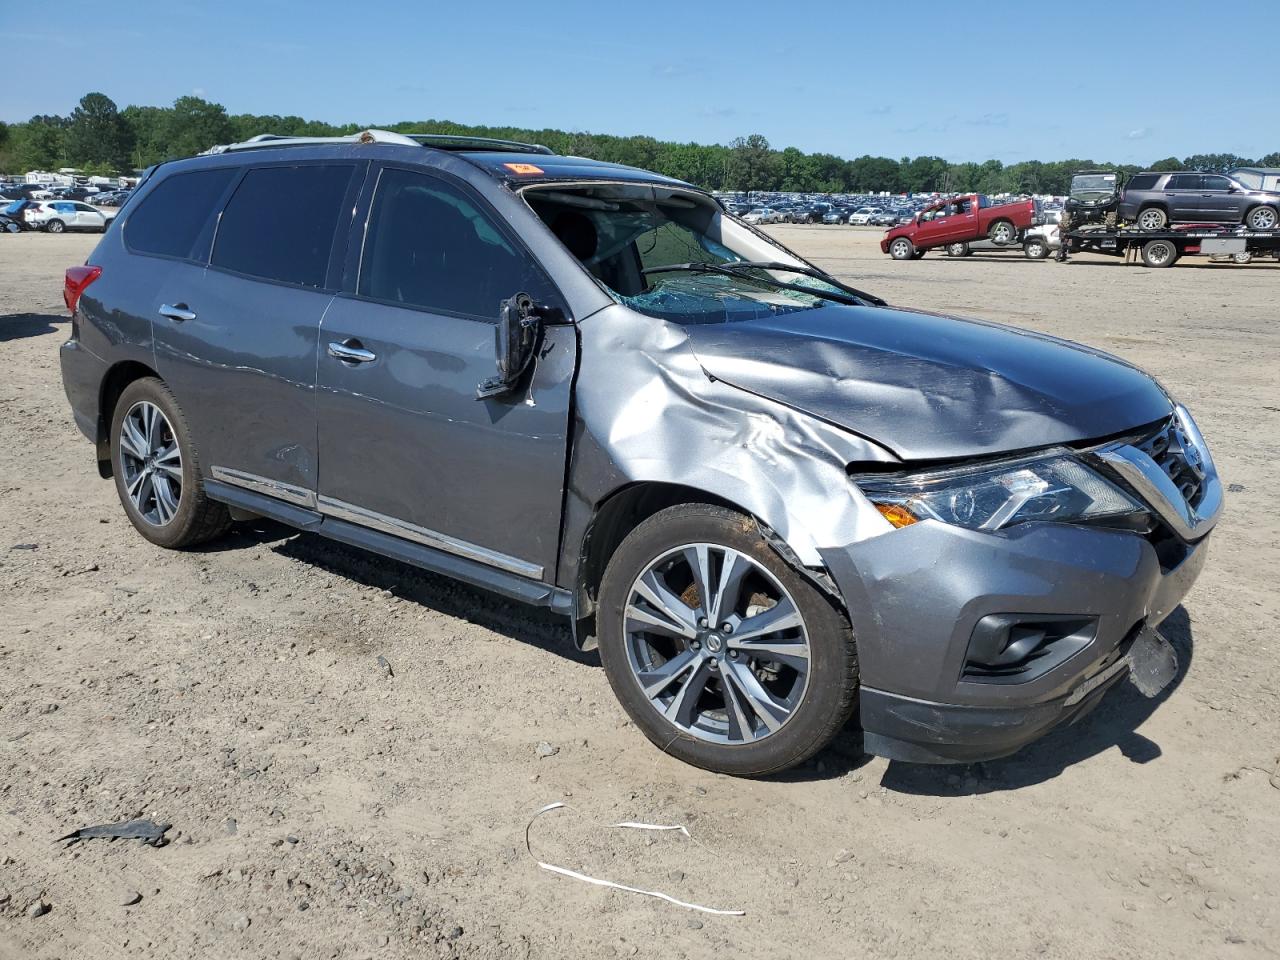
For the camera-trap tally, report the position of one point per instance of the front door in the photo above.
(405, 447)
(1217, 203)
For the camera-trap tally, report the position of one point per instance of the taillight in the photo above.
(76, 282)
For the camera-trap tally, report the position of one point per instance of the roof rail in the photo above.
(448, 141)
(271, 141)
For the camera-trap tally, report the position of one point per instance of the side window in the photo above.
(170, 218)
(964, 206)
(430, 245)
(1142, 181)
(280, 223)
(1184, 181)
(1215, 183)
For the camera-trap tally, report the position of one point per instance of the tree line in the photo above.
(99, 138)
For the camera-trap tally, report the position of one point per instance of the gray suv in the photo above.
(1155, 200)
(773, 501)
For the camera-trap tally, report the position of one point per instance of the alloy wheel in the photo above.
(1151, 219)
(1263, 218)
(151, 463)
(716, 644)
(1003, 233)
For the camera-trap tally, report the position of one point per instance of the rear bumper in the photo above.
(916, 596)
(82, 375)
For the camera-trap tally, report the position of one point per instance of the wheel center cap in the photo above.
(714, 642)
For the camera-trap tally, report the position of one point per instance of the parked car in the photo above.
(761, 215)
(963, 533)
(9, 225)
(883, 218)
(958, 220)
(1037, 243)
(16, 211)
(863, 216)
(110, 198)
(55, 216)
(1155, 200)
(836, 215)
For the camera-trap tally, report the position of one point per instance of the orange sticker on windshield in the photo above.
(522, 168)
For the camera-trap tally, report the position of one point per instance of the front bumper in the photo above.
(916, 595)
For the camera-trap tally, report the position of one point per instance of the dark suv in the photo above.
(1155, 200)
(771, 499)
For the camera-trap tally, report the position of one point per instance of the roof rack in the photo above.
(447, 141)
(272, 140)
(435, 141)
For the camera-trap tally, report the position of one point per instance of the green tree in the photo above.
(38, 143)
(1168, 163)
(1270, 160)
(1215, 162)
(194, 125)
(752, 165)
(97, 134)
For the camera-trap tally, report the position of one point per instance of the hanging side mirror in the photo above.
(515, 343)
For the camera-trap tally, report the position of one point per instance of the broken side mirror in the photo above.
(515, 343)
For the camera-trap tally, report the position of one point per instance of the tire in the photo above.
(168, 505)
(900, 248)
(1244, 256)
(1002, 232)
(957, 249)
(1035, 249)
(1152, 218)
(694, 713)
(1159, 253)
(919, 255)
(55, 226)
(1262, 218)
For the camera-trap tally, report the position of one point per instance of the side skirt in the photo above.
(476, 574)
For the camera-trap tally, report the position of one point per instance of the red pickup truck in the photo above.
(959, 220)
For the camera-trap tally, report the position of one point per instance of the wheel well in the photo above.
(114, 384)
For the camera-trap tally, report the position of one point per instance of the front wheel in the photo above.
(957, 249)
(55, 226)
(901, 249)
(723, 655)
(1035, 249)
(1262, 218)
(157, 471)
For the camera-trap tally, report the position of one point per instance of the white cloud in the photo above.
(1140, 133)
(197, 92)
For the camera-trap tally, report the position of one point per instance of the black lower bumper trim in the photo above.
(921, 731)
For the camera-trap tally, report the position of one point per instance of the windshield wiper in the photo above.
(730, 269)
(811, 272)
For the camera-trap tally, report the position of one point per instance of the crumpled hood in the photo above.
(928, 386)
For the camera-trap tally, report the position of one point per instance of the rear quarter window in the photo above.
(168, 220)
(280, 223)
(1142, 181)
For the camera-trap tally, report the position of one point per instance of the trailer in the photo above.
(1163, 248)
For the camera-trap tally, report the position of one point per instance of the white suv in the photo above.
(55, 216)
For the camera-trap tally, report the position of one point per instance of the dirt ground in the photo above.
(323, 809)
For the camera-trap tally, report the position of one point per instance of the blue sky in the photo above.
(890, 79)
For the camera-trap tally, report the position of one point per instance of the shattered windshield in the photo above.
(623, 236)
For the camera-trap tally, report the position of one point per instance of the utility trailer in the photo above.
(1163, 248)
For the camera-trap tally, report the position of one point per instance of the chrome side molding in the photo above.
(299, 496)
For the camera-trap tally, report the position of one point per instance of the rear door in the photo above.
(405, 447)
(237, 341)
(1182, 194)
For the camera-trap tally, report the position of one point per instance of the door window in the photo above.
(172, 216)
(1215, 183)
(1184, 181)
(430, 245)
(281, 221)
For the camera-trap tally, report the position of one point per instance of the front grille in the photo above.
(1174, 453)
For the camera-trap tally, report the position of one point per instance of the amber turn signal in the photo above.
(897, 515)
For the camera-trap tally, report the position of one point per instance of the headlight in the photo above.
(1057, 488)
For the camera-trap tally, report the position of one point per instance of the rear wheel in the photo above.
(55, 226)
(1002, 232)
(1153, 218)
(1262, 218)
(157, 469)
(723, 655)
(901, 249)
(1159, 253)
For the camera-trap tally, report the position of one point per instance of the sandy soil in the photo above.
(322, 809)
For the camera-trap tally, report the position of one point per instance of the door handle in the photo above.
(351, 351)
(177, 311)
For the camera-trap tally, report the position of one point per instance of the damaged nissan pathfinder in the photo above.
(773, 501)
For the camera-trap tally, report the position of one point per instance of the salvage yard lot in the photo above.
(322, 808)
